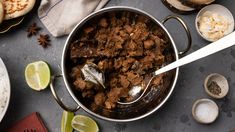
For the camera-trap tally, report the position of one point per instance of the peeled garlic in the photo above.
(213, 26)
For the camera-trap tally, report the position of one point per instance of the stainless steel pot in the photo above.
(151, 102)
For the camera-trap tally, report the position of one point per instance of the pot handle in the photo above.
(58, 100)
(180, 20)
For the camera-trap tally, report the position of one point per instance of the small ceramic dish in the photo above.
(216, 85)
(216, 21)
(205, 111)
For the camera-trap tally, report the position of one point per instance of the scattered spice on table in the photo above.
(44, 40)
(214, 88)
(33, 29)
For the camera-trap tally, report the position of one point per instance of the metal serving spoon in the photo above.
(96, 76)
(212, 48)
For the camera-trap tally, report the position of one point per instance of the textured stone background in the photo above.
(17, 51)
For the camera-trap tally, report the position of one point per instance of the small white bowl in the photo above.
(221, 82)
(218, 9)
(205, 111)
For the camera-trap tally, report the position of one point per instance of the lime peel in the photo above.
(66, 121)
(37, 75)
(83, 123)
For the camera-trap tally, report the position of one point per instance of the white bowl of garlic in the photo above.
(214, 22)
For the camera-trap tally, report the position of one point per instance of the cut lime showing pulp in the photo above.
(37, 75)
(84, 124)
(66, 121)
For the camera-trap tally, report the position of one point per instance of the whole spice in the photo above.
(33, 29)
(44, 40)
(214, 88)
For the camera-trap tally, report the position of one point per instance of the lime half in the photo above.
(84, 124)
(37, 75)
(66, 121)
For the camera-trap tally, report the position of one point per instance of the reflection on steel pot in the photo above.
(151, 101)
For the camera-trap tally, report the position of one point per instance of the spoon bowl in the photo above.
(135, 93)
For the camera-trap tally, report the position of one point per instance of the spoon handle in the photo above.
(212, 48)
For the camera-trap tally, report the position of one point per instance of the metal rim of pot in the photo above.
(118, 8)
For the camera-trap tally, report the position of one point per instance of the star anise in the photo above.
(44, 40)
(33, 29)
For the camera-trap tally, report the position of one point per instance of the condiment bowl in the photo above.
(217, 9)
(205, 111)
(221, 81)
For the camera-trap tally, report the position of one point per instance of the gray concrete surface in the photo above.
(17, 51)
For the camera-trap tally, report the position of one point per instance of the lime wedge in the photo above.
(37, 75)
(84, 124)
(66, 121)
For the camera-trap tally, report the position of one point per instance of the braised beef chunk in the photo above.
(99, 98)
(158, 80)
(126, 64)
(76, 73)
(124, 81)
(105, 64)
(128, 29)
(134, 49)
(113, 82)
(80, 84)
(118, 63)
(113, 96)
(148, 44)
(127, 48)
(103, 22)
(82, 49)
(134, 78)
(140, 32)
